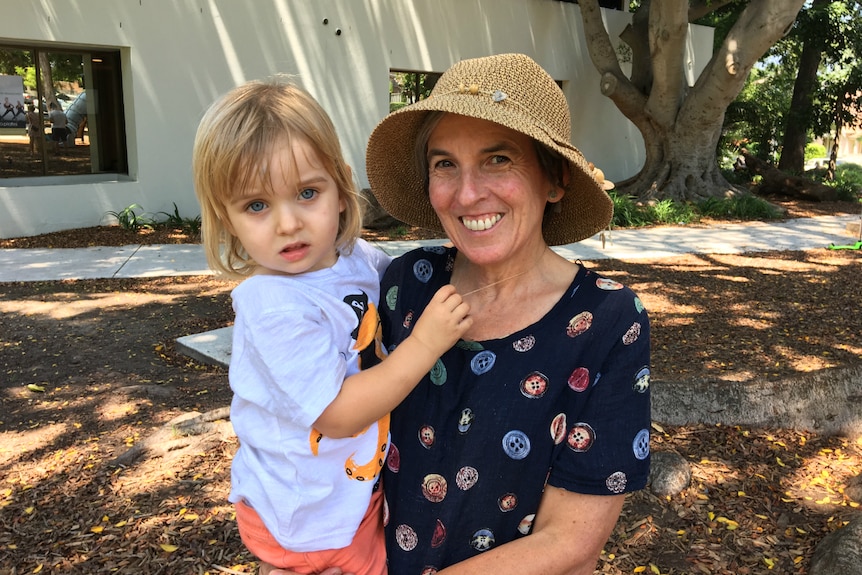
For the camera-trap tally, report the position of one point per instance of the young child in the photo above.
(311, 392)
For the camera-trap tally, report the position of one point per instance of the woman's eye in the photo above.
(307, 193)
(441, 164)
(499, 159)
(257, 206)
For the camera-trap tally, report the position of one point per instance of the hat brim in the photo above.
(584, 210)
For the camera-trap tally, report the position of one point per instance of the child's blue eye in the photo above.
(256, 206)
(307, 193)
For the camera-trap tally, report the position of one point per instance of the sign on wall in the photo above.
(13, 113)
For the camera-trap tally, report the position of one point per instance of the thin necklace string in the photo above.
(505, 279)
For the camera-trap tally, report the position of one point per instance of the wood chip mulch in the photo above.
(88, 369)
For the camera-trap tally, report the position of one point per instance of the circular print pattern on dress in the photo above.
(392, 298)
(482, 540)
(408, 319)
(640, 445)
(406, 537)
(579, 324)
(526, 343)
(438, 373)
(516, 444)
(616, 482)
(439, 534)
(526, 524)
(558, 428)
(434, 487)
(534, 385)
(642, 379)
(434, 249)
(482, 362)
(581, 437)
(423, 270)
(632, 334)
(466, 477)
(427, 436)
(393, 460)
(580, 379)
(608, 284)
(639, 305)
(466, 420)
(507, 502)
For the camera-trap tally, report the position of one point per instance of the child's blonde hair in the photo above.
(235, 140)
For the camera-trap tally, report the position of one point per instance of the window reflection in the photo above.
(66, 116)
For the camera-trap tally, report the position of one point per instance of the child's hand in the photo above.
(443, 321)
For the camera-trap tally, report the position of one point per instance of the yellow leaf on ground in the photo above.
(168, 548)
(639, 569)
(39, 389)
(97, 529)
(38, 568)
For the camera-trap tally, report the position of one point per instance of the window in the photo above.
(81, 88)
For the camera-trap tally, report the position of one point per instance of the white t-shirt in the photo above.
(294, 343)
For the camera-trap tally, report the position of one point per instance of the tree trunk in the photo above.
(778, 183)
(681, 125)
(797, 121)
(47, 79)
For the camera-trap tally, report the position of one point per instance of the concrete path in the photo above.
(135, 261)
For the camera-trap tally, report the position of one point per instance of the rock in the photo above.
(669, 473)
(853, 490)
(840, 551)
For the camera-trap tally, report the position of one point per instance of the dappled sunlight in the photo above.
(762, 497)
(802, 362)
(773, 264)
(820, 479)
(19, 445)
(736, 318)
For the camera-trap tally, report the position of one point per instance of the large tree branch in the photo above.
(668, 30)
(759, 26)
(700, 8)
(614, 83)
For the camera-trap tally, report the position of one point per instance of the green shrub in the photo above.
(848, 182)
(192, 226)
(129, 219)
(744, 207)
(813, 150)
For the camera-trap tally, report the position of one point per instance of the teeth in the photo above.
(481, 225)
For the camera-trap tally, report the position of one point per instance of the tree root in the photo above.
(191, 432)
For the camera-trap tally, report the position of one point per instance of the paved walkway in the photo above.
(135, 261)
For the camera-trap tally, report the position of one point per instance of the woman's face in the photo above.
(487, 187)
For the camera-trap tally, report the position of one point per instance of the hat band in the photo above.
(500, 97)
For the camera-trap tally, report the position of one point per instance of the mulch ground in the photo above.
(89, 370)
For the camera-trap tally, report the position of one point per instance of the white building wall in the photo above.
(179, 55)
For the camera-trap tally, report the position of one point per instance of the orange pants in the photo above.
(366, 555)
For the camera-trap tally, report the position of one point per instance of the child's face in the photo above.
(290, 227)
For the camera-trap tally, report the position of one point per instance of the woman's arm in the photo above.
(568, 535)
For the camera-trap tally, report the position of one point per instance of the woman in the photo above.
(514, 454)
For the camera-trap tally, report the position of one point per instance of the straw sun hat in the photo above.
(510, 90)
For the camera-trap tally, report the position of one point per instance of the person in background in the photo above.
(312, 384)
(58, 125)
(35, 130)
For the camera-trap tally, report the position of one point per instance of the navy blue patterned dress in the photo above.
(564, 401)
